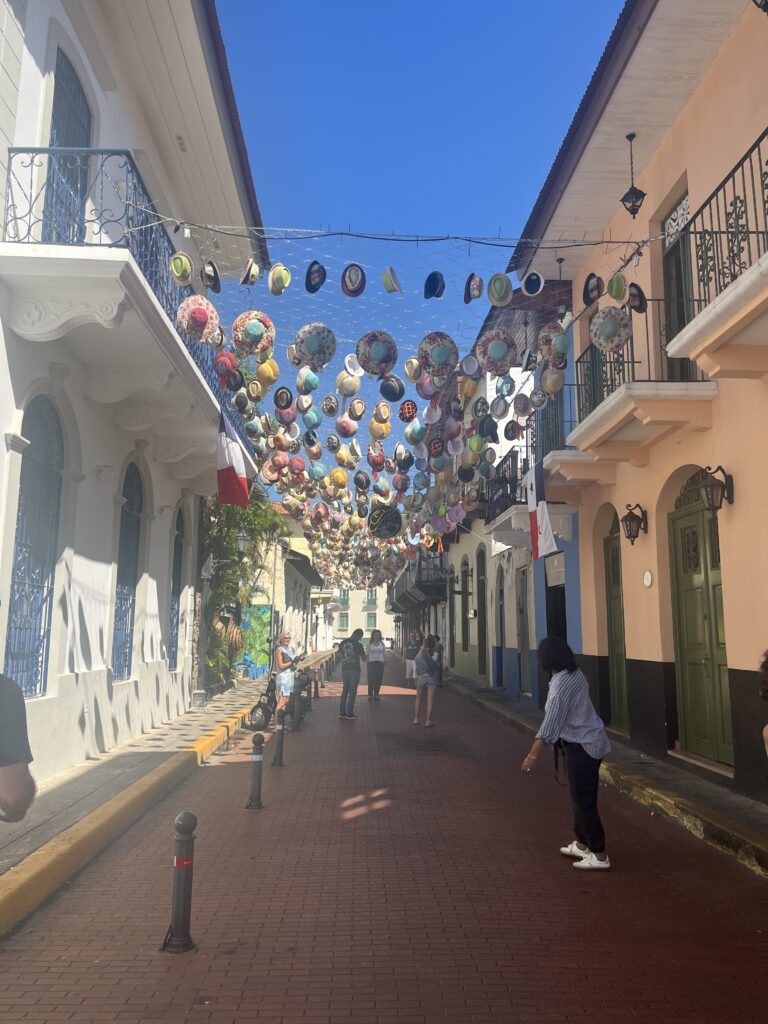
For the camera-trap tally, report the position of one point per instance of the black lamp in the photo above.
(634, 522)
(242, 541)
(633, 198)
(714, 490)
(761, 5)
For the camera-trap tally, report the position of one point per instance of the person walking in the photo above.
(375, 664)
(286, 661)
(412, 648)
(426, 680)
(352, 654)
(439, 655)
(571, 723)
(17, 787)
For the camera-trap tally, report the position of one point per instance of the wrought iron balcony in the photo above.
(552, 424)
(97, 197)
(644, 358)
(507, 487)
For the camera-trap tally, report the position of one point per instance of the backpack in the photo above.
(426, 665)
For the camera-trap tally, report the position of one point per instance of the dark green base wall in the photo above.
(653, 718)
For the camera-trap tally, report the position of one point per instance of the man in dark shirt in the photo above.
(412, 648)
(352, 653)
(17, 787)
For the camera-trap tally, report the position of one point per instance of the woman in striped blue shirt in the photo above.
(571, 720)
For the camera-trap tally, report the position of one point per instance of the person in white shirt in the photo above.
(375, 660)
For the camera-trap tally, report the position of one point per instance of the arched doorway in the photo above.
(482, 614)
(700, 652)
(452, 617)
(501, 627)
(614, 603)
(35, 549)
(523, 631)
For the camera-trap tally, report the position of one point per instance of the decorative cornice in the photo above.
(49, 319)
(110, 386)
(175, 449)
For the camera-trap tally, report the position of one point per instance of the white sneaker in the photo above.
(415, 721)
(574, 850)
(592, 863)
(428, 724)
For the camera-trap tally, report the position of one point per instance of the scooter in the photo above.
(262, 712)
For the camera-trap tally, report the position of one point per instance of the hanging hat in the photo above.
(332, 443)
(408, 411)
(636, 299)
(470, 367)
(353, 280)
(283, 398)
(521, 405)
(610, 329)
(315, 277)
(307, 380)
(505, 387)
(496, 351)
(500, 290)
(499, 407)
(251, 273)
(376, 353)
(385, 521)
(558, 361)
(513, 431)
(412, 369)
(538, 398)
(438, 354)
(209, 275)
(546, 338)
(390, 281)
(617, 288)
(346, 384)
(473, 288)
(391, 388)
(197, 318)
(254, 333)
(279, 279)
(552, 381)
(594, 287)
(255, 390)
(330, 405)
(304, 403)
(315, 346)
(434, 286)
(356, 408)
(351, 365)
(182, 269)
(382, 412)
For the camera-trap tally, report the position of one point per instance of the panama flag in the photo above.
(542, 537)
(230, 467)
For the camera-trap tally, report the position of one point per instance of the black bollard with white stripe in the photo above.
(277, 760)
(177, 938)
(257, 760)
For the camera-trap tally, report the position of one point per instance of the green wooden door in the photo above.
(701, 660)
(617, 659)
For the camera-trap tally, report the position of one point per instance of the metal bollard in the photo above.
(254, 800)
(277, 760)
(317, 683)
(298, 709)
(177, 938)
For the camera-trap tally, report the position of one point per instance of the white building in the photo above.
(109, 111)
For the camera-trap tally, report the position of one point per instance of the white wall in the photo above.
(12, 16)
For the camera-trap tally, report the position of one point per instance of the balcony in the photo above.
(506, 489)
(726, 246)
(94, 200)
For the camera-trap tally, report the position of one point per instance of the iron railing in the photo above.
(729, 232)
(97, 197)
(551, 425)
(643, 358)
(507, 487)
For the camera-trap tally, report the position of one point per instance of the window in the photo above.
(344, 597)
(127, 573)
(371, 596)
(178, 554)
(343, 622)
(35, 549)
(465, 605)
(370, 620)
(678, 305)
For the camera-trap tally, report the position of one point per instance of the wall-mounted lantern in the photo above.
(714, 490)
(634, 522)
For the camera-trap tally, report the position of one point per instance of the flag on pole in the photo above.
(542, 538)
(231, 480)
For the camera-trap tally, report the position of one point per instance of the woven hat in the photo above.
(412, 369)
(552, 381)
(209, 275)
(197, 318)
(473, 288)
(594, 287)
(251, 273)
(376, 353)
(521, 405)
(496, 351)
(538, 398)
(438, 354)
(182, 269)
(330, 405)
(434, 286)
(390, 281)
(408, 411)
(353, 280)
(315, 277)
(500, 290)
(546, 338)
(279, 279)
(351, 365)
(617, 288)
(610, 329)
(315, 346)
(254, 333)
(385, 521)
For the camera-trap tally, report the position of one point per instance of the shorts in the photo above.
(410, 668)
(426, 682)
(285, 689)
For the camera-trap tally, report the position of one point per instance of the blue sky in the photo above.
(411, 117)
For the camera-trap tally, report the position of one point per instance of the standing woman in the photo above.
(286, 660)
(571, 721)
(375, 664)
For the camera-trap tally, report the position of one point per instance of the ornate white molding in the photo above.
(110, 386)
(141, 414)
(16, 443)
(48, 319)
(176, 449)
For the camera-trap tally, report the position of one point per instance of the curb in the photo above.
(26, 885)
(749, 847)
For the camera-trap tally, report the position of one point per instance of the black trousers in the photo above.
(583, 775)
(375, 674)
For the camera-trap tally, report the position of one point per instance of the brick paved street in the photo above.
(396, 875)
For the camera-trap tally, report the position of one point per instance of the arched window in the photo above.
(127, 573)
(34, 554)
(482, 619)
(178, 555)
(464, 604)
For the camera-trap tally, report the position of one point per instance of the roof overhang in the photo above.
(304, 567)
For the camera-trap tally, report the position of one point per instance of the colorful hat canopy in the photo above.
(376, 353)
(496, 351)
(438, 354)
(315, 345)
(610, 329)
(254, 333)
(197, 318)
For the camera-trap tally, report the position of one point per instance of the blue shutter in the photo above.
(178, 554)
(127, 573)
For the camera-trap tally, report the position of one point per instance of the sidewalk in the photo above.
(712, 812)
(395, 876)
